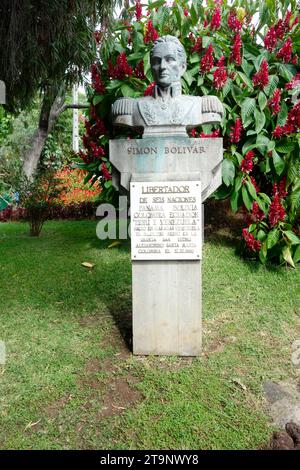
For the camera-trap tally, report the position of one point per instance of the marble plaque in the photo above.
(165, 220)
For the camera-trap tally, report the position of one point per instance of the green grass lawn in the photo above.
(70, 380)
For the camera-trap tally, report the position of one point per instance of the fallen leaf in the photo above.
(114, 244)
(87, 265)
(119, 407)
(31, 424)
(239, 383)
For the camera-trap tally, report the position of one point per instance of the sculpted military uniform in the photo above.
(176, 109)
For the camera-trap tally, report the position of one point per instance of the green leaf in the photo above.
(260, 120)
(282, 115)
(285, 146)
(127, 91)
(247, 110)
(228, 171)
(108, 184)
(156, 4)
(261, 235)
(273, 238)
(272, 85)
(188, 77)
(206, 41)
(246, 198)
(287, 256)
(234, 200)
(296, 256)
(97, 99)
(278, 162)
(292, 237)
(251, 189)
(262, 100)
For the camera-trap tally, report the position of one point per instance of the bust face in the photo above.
(165, 65)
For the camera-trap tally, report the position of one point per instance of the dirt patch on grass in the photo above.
(53, 409)
(120, 396)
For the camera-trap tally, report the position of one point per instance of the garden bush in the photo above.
(246, 54)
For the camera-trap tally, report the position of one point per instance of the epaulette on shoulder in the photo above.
(123, 106)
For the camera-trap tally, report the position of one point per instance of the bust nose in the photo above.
(163, 64)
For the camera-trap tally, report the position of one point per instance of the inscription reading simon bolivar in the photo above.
(173, 150)
(166, 220)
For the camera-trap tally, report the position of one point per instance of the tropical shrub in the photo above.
(244, 52)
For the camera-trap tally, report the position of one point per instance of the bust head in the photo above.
(168, 61)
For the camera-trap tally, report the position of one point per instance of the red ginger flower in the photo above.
(261, 78)
(216, 19)
(186, 12)
(150, 33)
(247, 162)
(257, 214)
(149, 89)
(215, 133)
(274, 102)
(97, 83)
(276, 212)
(253, 181)
(251, 242)
(270, 39)
(105, 171)
(139, 70)
(138, 10)
(285, 53)
(193, 133)
(280, 29)
(235, 55)
(220, 74)
(207, 61)
(233, 23)
(197, 47)
(278, 132)
(236, 131)
(280, 188)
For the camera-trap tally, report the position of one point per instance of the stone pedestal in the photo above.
(167, 292)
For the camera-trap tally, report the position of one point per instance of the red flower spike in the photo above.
(149, 89)
(220, 77)
(197, 47)
(233, 23)
(150, 33)
(235, 55)
(216, 19)
(105, 172)
(276, 212)
(285, 53)
(261, 78)
(247, 162)
(251, 242)
(236, 131)
(186, 12)
(138, 10)
(207, 61)
(257, 214)
(274, 102)
(270, 39)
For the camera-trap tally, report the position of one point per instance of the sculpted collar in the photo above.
(173, 90)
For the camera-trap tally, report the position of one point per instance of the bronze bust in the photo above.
(167, 110)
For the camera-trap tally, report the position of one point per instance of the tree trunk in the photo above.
(52, 105)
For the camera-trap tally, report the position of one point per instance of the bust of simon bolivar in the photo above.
(167, 110)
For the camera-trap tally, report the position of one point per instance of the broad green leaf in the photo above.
(228, 171)
(261, 235)
(292, 237)
(246, 198)
(247, 110)
(262, 100)
(245, 80)
(97, 99)
(285, 146)
(156, 4)
(188, 77)
(234, 200)
(251, 189)
(278, 163)
(260, 120)
(127, 91)
(273, 237)
(296, 256)
(287, 256)
(282, 115)
(206, 41)
(272, 85)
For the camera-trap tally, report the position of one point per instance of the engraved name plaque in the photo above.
(166, 220)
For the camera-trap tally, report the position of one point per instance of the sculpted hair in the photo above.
(179, 47)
